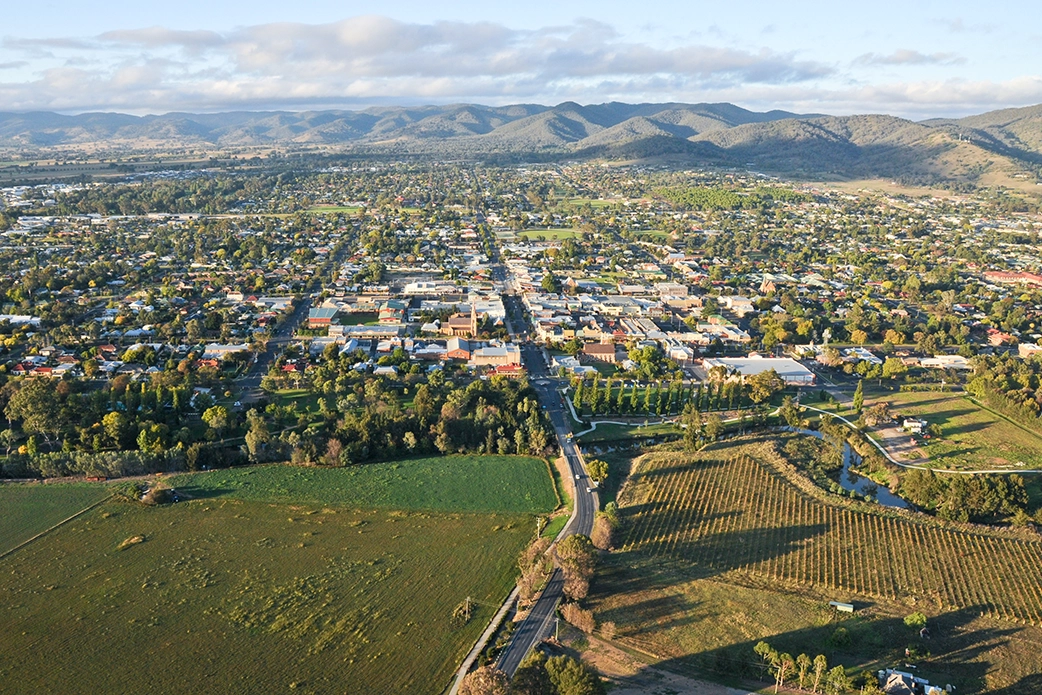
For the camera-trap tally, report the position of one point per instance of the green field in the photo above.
(273, 578)
(972, 437)
(334, 209)
(513, 484)
(26, 510)
(609, 432)
(549, 234)
(729, 546)
(251, 598)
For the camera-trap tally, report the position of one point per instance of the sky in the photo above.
(916, 59)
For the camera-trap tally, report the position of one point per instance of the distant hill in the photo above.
(999, 145)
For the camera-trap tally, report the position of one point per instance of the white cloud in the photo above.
(368, 57)
(905, 56)
(378, 60)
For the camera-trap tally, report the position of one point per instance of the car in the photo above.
(577, 476)
(589, 490)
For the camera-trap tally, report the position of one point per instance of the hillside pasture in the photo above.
(972, 437)
(29, 509)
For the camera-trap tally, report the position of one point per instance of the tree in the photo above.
(784, 665)
(714, 426)
(768, 655)
(893, 368)
(487, 680)
(550, 283)
(916, 620)
(859, 337)
(803, 664)
(572, 677)
(216, 417)
(790, 412)
(258, 437)
(764, 385)
(580, 618)
(38, 406)
(597, 469)
(837, 681)
(531, 677)
(117, 427)
(576, 556)
(859, 396)
(821, 665)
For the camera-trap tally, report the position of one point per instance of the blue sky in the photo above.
(914, 59)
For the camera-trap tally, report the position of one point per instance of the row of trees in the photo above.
(802, 671)
(538, 675)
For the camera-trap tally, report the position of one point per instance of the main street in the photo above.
(538, 624)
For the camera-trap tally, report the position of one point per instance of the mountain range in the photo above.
(995, 146)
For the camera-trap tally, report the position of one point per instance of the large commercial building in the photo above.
(792, 372)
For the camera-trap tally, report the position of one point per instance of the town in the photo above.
(840, 346)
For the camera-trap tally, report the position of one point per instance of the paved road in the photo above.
(539, 623)
(283, 336)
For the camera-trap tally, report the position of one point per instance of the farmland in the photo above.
(326, 598)
(742, 516)
(513, 484)
(335, 579)
(972, 437)
(30, 509)
(713, 541)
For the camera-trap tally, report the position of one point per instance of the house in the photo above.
(599, 352)
(946, 362)
(914, 425)
(1026, 350)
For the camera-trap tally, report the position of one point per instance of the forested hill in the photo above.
(1003, 144)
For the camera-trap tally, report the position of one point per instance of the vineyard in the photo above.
(747, 516)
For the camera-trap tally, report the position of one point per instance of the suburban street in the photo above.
(249, 382)
(538, 625)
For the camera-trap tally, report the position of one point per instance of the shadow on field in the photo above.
(1029, 685)
(864, 641)
(193, 492)
(668, 470)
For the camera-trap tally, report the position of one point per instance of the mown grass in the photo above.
(613, 433)
(334, 209)
(251, 597)
(549, 234)
(513, 484)
(26, 510)
(972, 437)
